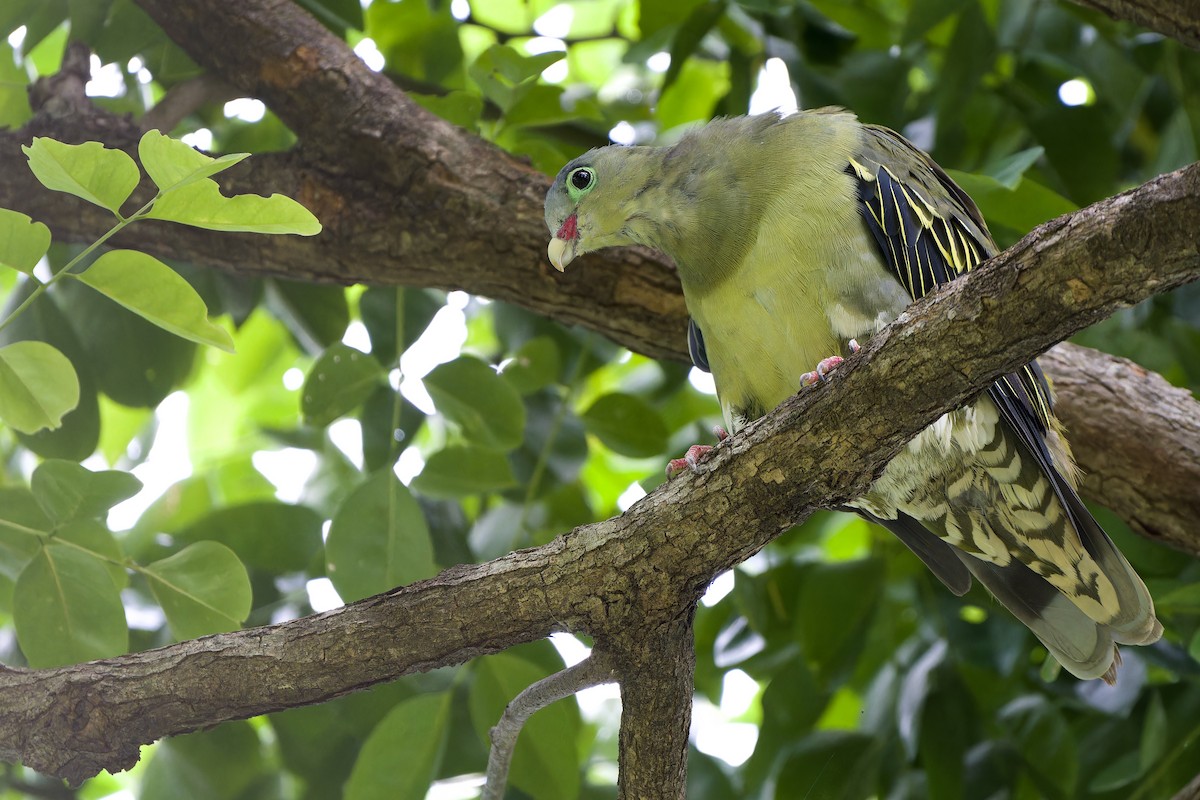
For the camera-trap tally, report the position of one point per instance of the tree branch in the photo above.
(595, 670)
(1179, 19)
(626, 579)
(1138, 438)
(657, 679)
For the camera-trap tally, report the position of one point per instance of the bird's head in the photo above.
(591, 203)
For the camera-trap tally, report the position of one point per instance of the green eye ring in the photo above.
(580, 181)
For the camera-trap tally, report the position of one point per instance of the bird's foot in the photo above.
(694, 455)
(826, 366)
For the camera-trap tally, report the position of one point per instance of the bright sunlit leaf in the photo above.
(156, 293)
(92, 171)
(38, 386)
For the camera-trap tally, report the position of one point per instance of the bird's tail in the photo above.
(1081, 639)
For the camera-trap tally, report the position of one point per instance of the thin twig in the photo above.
(595, 670)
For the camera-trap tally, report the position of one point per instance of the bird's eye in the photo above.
(579, 181)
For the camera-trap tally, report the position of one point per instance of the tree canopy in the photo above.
(416, 400)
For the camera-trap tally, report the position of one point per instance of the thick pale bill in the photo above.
(561, 252)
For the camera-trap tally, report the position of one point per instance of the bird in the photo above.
(797, 235)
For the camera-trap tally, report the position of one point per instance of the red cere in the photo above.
(568, 230)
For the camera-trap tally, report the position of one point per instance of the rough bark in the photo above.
(1179, 19)
(656, 710)
(1126, 421)
(627, 580)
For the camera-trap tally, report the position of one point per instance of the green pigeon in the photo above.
(796, 235)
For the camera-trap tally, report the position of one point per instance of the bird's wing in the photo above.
(929, 232)
(696, 346)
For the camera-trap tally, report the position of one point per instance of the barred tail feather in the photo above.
(1084, 647)
(1135, 623)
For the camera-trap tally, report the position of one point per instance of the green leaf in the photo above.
(23, 241)
(694, 94)
(829, 764)
(516, 67)
(1154, 733)
(201, 205)
(540, 105)
(472, 395)
(1028, 205)
(172, 164)
(459, 471)
(545, 764)
(225, 763)
(43, 320)
(66, 490)
(87, 17)
(378, 539)
(14, 99)
(202, 589)
(156, 293)
(1046, 742)
(92, 171)
(853, 588)
(94, 537)
(927, 14)
(1117, 773)
(402, 754)
(687, 39)
(23, 528)
(655, 15)
(791, 705)
(503, 74)
(419, 39)
(1185, 599)
(1010, 169)
(320, 743)
(945, 733)
(1194, 648)
(267, 535)
(460, 108)
(38, 386)
(535, 366)
(134, 362)
(383, 439)
(67, 609)
(336, 14)
(339, 382)
(627, 425)
(316, 316)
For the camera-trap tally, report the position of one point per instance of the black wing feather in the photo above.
(926, 242)
(696, 346)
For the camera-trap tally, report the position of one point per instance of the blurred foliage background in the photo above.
(366, 437)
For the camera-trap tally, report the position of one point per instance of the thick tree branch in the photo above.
(656, 709)
(1138, 438)
(624, 579)
(1179, 19)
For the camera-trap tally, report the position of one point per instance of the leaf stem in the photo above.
(41, 287)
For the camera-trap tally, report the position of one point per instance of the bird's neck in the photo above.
(703, 208)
